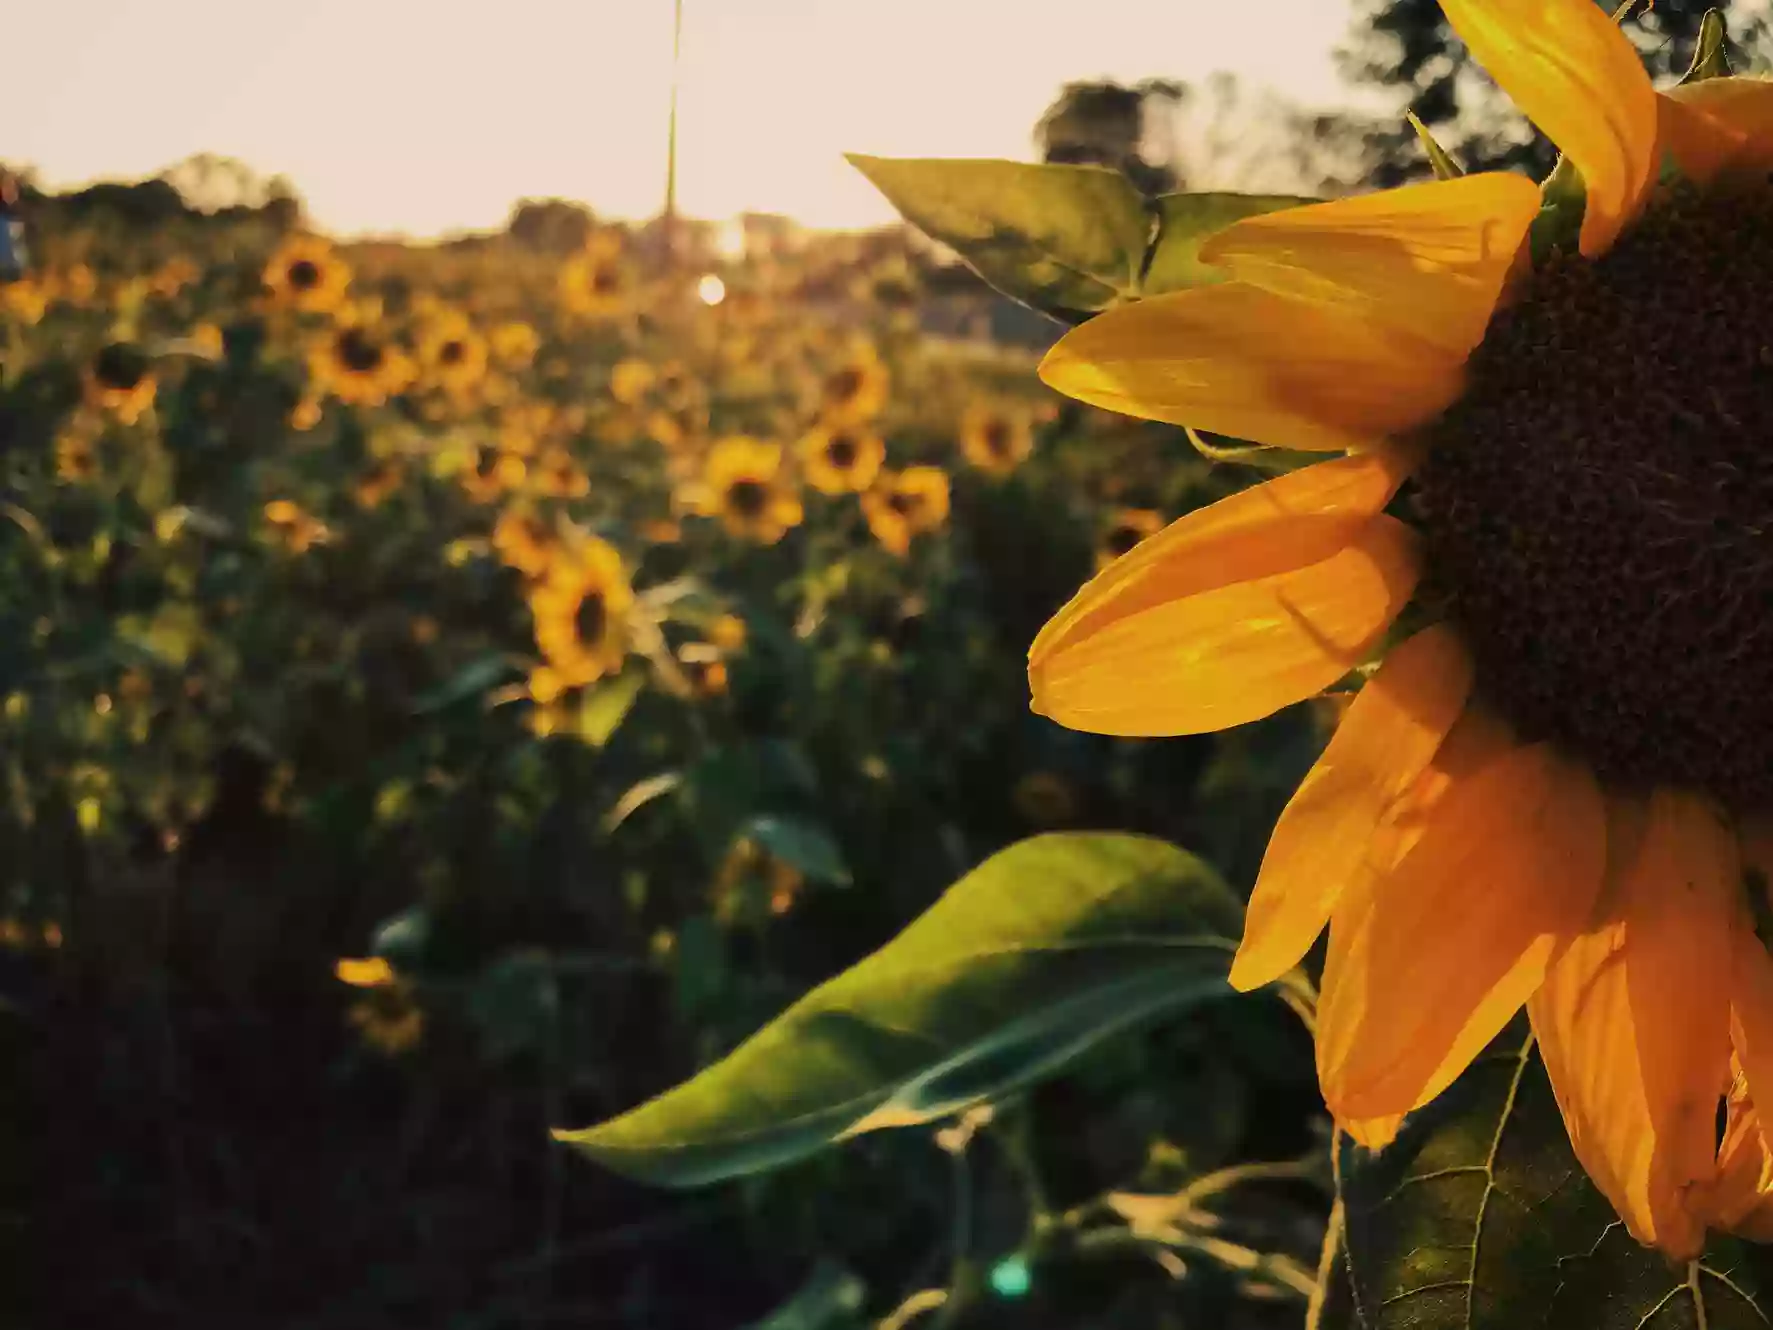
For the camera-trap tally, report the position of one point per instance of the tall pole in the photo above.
(671, 137)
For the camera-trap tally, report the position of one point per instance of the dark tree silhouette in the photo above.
(1406, 46)
(1104, 123)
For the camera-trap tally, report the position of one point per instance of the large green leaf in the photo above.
(1479, 1218)
(1026, 961)
(1184, 223)
(1067, 240)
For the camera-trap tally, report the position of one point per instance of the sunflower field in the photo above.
(1102, 758)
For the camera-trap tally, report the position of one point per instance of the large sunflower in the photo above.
(581, 613)
(1547, 794)
(746, 485)
(306, 274)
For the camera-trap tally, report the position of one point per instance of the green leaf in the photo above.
(1066, 240)
(474, 679)
(1479, 1217)
(805, 845)
(606, 705)
(1440, 161)
(1562, 200)
(1710, 59)
(1028, 960)
(1184, 223)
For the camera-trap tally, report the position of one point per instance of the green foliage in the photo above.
(1184, 223)
(1479, 1217)
(1028, 960)
(1066, 240)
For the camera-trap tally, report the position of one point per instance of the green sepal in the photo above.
(1710, 60)
(1439, 159)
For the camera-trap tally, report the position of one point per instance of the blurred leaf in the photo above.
(638, 795)
(514, 1003)
(803, 844)
(1184, 223)
(1479, 1218)
(1027, 961)
(403, 939)
(831, 1298)
(171, 635)
(1711, 58)
(475, 678)
(1066, 240)
(606, 705)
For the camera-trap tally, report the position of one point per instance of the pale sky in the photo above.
(425, 115)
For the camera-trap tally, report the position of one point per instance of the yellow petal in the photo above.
(1438, 955)
(1222, 657)
(1729, 128)
(1373, 1133)
(1579, 79)
(1241, 361)
(1425, 260)
(1386, 740)
(1751, 1009)
(1294, 520)
(1740, 1198)
(1634, 1021)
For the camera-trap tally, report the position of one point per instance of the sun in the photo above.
(1544, 549)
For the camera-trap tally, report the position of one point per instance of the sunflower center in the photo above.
(591, 618)
(605, 282)
(451, 353)
(358, 352)
(1121, 540)
(1598, 507)
(843, 385)
(304, 274)
(120, 366)
(841, 452)
(747, 497)
(901, 503)
(997, 438)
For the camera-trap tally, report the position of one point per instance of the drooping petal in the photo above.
(1740, 1197)
(1751, 1008)
(1289, 522)
(1222, 657)
(1729, 127)
(1241, 361)
(1434, 958)
(1634, 1019)
(1322, 841)
(1579, 79)
(1425, 260)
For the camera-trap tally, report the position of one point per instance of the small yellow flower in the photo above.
(453, 357)
(293, 527)
(630, 379)
(581, 610)
(356, 362)
(377, 483)
(903, 504)
(514, 344)
(745, 484)
(524, 541)
(304, 274)
(558, 475)
(120, 380)
(597, 282)
(855, 391)
(995, 439)
(488, 472)
(24, 301)
(841, 459)
(1125, 529)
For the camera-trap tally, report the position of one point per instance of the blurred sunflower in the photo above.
(903, 504)
(293, 527)
(24, 301)
(524, 541)
(120, 380)
(1547, 796)
(629, 380)
(841, 459)
(1126, 528)
(488, 471)
(581, 610)
(377, 483)
(558, 475)
(514, 344)
(357, 362)
(76, 455)
(744, 483)
(855, 391)
(704, 667)
(304, 274)
(453, 357)
(597, 282)
(388, 1015)
(995, 439)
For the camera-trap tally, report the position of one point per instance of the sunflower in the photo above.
(293, 527)
(596, 282)
(488, 471)
(453, 357)
(24, 300)
(524, 541)
(745, 484)
(902, 504)
(1547, 794)
(581, 611)
(558, 475)
(306, 275)
(120, 380)
(377, 483)
(841, 459)
(630, 379)
(856, 390)
(76, 456)
(514, 344)
(1126, 528)
(995, 439)
(357, 363)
